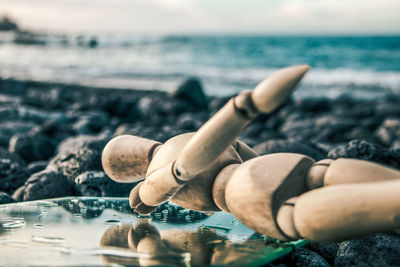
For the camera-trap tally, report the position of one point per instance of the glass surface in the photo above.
(104, 231)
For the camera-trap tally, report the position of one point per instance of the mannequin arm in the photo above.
(215, 136)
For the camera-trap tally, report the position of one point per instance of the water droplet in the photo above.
(12, 224)
(38, 226)
(112, 221)
(47, 239)
(235, 222)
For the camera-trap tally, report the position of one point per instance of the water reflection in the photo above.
(105, 231)
(203, 246)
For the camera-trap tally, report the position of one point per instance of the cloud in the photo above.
(252, 16)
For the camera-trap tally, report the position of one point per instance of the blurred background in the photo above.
(353, 46)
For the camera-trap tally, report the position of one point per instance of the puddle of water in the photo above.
(105, 231)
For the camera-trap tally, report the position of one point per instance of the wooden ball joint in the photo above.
(286, 196)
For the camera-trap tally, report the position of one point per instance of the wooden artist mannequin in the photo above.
(284, 195)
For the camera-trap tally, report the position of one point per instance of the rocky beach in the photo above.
(52, 136)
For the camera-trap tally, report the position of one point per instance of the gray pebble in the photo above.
(47, 184)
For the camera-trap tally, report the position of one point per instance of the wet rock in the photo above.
(370, 123)
(396, 146)
(156, 108)
(75, 142)
(269, 135)
(98, 184)
(90, 122)
(31, 146)
(44, 99)
(360, 133)
(5, 198)
(305, 257)
(13, 171)
(192, 91)
(313, 104)
(138, 129)
(6, 100)
(188, 121)
(281, 145)
(10, 128)
(253, 130)
(217, 103)
(37, 166)
(361, 149)
(327, 250)
(299, 129)
(47, 184)
(375, 250)
(118, 105)
(175, 107)
(339, 123)
(386, 108)
(176, 214)
(17, 112)
(78, 155)
(389, 131)
(73, 163)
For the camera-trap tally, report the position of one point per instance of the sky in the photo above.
(209, 16)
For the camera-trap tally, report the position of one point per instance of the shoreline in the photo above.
(52, 136)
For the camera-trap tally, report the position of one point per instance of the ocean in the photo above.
(358, 66)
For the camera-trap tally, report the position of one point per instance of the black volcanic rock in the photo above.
(375, 250)
(98, 184)
(37, 166)
(361, 149)
(47, 184)
(11, 128)
(13, 171)
(77, 155)
(32, 146)
(5, 198)
(192, 91)
(282, 145)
